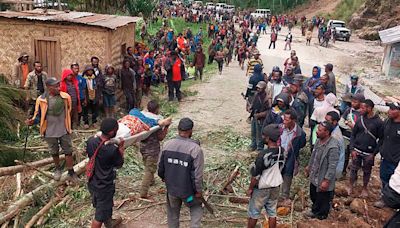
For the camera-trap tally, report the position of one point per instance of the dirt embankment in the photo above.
(375, 15)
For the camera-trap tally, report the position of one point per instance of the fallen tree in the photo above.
(27, 199)
(11, 170)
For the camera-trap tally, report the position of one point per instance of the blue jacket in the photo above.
(82, 87)
(254, 80)
(298, 142)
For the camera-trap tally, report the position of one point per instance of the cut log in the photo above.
(42, 212)
(27, 199)
(11, 170)
(34, 168)
(231, 178)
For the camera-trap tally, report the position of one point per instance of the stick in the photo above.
(86, 131)
(42, 212)
(366, 210)
(231, 178)
(229, 196)
(291, 211)
(142, 212)
(229, 206)
(145, 207)
(11, 170)
(28, 148)
(18, 191)
(32, 167)
(27, 199)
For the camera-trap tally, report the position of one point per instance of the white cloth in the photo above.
(327, 106)
(394, 181)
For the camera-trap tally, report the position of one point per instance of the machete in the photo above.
(207, 205)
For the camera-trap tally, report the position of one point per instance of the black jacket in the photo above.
(364, 141)
(390, 149)
(108, 158)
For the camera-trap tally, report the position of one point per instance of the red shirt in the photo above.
(176, 70)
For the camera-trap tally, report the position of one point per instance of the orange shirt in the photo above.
(25, 72)
(176, 70)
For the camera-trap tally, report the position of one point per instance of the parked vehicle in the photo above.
(229, 9)
(261, 13)
(220, 7)
(210, 6)
(197, 4)
(341, 32)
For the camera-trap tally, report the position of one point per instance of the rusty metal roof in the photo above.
(85, 18)
(390, 36)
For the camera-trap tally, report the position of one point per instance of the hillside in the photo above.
(375, 15)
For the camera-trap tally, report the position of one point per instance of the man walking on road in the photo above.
(365, 136)
(274, 37)
(198, 63)
(181, 168)
(332, 79)
(390, 148)
(321, 171)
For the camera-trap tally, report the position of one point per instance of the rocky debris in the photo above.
(358, 223)
(375, 15)
(341, 190)
(357, 206)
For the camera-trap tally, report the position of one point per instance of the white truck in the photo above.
(220, 7)
(229, 9)
(341, 31)
(261, 13)
(210, 6)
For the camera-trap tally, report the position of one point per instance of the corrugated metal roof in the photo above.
(390, 36)
(86, 18)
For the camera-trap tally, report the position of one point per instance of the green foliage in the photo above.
(140, 7)
(345, 9)
(227, 140)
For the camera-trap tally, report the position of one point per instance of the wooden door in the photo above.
(47, 52)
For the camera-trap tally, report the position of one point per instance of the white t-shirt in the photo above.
(394, 181)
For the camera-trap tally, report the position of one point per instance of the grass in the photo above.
(344, 10)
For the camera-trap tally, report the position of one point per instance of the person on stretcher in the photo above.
(136, 122)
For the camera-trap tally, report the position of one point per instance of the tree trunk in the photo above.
(11, 170)
(27, 199)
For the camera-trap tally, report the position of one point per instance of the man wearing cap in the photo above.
(52, 111)
(255, 60)
(367, 132)
(103, 160)
(331, 75)
(258, 109)
(321, 170)
(347, 121)
(390, 147)
(354, 86)
(181, 168)
(299, 99)
(275, 114)
(265, 197)
(21, 70)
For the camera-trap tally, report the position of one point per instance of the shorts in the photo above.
(267, 198)
(103, 202)
(109, 100)
(64, 142)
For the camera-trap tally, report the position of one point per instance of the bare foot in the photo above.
(349, 190)
(364, 193)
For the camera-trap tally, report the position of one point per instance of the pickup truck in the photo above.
(341, 31)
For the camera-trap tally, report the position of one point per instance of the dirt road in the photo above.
(219, 104)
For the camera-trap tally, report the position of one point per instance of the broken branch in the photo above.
(231, 178)
(11, 170)
(148, 206)
(42, 212)
(32, 167)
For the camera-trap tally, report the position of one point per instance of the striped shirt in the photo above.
(251, 64)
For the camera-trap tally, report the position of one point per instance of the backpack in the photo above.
(271, 177)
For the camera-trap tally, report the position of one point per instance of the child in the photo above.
(110, 87)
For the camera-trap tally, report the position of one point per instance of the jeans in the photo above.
(386, 171)
(267, 198)
(285, 187)
(130, 99)
(364, 162)
(288, 44)
(174, 86)
(321, 202)
(256, 137)
(272, 43)
(198, 73)
(93, 107)
(174, 208)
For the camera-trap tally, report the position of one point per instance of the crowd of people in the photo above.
(281, 104)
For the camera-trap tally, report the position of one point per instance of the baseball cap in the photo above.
(393, 105)
(353, 77)
(272, 131)
(108, 124)
(329, 66)
(185, 124)
(52, 81)
(261, 85)
(275, 69)
(320, 85)
(256, 52)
